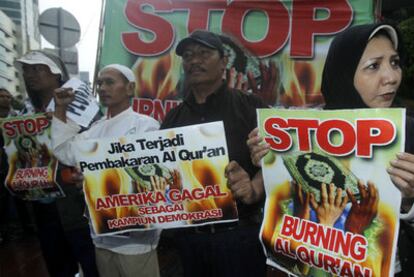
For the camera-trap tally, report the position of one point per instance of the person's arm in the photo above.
(63, 97)
(63, 129)
(248, 191)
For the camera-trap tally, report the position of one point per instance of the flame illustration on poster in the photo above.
(165, 179)
(32, 166)
(331, 208)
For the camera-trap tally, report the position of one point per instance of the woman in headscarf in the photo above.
(362, 70)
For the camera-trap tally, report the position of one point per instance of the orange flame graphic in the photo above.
(302, 82)
(203, 173)
(379, 244)
(158, 77)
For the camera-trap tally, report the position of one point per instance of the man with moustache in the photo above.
(226, 249)
(128, 254)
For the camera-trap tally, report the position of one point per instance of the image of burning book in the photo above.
(311, 169)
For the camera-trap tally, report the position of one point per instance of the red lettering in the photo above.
(331, 264)
(28, 126)
(374, 132)
(8, 129)
(280, 140)
(100, 204)
(305, 25)
(42, 123)
(277, 32)
(310, 232)
(332, 239)
(143, 106)
(154, 107)
(303, 254)
(161, 29)
(358, 248)
(303, 127)
(199, 12)
(348, 138)
(347, 132)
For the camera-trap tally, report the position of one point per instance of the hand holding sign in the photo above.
(63, 97)
(238, 181)
(74, 100)
(402, 174)
(258, 148)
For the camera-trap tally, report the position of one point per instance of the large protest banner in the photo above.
(168, 178)
(331, 208)
(294, 35)
(32, 166)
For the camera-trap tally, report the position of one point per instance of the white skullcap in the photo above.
(125, 71)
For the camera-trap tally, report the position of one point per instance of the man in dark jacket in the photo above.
(231, 249)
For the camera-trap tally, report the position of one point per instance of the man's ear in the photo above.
(224, 62)
(58, 78)
(131, 89)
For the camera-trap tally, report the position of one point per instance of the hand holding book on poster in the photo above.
(247, 190)
(364, 211)
(301, 199)
(267, 89)
(331, 206)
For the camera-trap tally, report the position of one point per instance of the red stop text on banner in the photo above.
(359, 137)
(29, 126)
(299, 24)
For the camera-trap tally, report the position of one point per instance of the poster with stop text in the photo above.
(276, 48)
(32, 166)
(331, 208)
(166, 179)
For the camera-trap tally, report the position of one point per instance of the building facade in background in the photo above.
(8, 53)
(19, 32)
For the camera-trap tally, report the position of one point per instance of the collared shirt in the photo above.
(237, 110)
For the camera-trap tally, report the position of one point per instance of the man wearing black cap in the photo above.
(227, 249)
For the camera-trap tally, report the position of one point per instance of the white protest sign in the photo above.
(84, 107)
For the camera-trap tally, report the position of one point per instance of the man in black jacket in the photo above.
(221, 249)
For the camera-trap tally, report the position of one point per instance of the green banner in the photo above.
(286, 40)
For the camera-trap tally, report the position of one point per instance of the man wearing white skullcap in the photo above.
(132, 254)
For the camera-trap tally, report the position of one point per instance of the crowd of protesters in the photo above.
(231, 249)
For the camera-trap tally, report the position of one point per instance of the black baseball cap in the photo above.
(206, 38)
